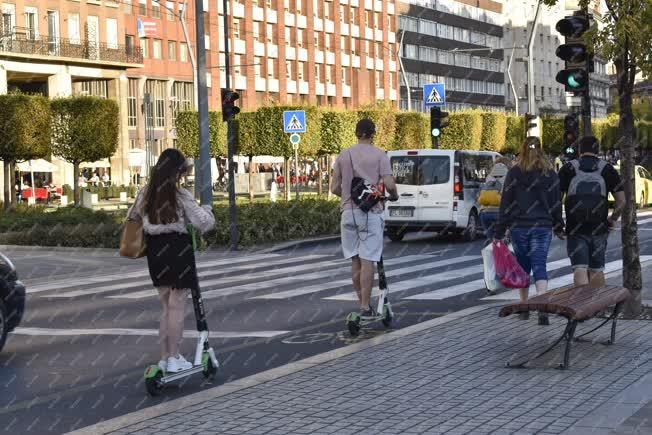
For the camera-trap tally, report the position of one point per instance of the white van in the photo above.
(438, 191)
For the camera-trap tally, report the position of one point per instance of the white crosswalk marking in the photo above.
(58, 285)
(140, 332)
(388, 273)
(561, 281)
(207, 273)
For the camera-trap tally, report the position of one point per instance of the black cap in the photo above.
(365, 128)
(589, 144)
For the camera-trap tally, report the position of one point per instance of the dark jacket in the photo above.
(530, 199)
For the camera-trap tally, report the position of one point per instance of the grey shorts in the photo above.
(362, 234)
(587, 252)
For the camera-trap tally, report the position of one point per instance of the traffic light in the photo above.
(574, 53)
(571, 135)
(438, 120)
(229, 109)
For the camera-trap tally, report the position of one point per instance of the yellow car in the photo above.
(643, 185)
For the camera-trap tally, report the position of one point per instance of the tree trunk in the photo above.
(330, 175)
(251, 179)
(629, 233)
(75, 184)
(12, 189)
(286, 177)
(8, 186)
(320, 174)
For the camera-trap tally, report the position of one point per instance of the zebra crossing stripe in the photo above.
(389, 273)
(59, 285)
(141, 332)
(561, 281)
(207, 273)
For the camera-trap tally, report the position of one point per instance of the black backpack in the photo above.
(586, 200)
(364, 195)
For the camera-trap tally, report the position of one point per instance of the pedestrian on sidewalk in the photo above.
(362, 232)
(490, 193)
(531, 208)
(166, 210)
(586, 183)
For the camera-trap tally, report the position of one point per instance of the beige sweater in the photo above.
(188, 212)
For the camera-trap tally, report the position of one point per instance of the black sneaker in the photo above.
(524, 316)
(543, 319)
(367, 314)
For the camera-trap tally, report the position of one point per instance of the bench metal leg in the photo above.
(613, 318)
(567, 334)
(570, 331)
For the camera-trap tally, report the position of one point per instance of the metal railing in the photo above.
(27, 43)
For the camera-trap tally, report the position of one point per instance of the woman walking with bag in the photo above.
(531, 208)
(166, 210)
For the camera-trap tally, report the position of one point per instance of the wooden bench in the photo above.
(576, 304)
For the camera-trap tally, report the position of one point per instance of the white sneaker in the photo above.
(178, 364)
(163, 365)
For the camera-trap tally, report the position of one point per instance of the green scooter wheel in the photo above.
(153, 375)
(209, 369)
(387, 316)
(353, 323)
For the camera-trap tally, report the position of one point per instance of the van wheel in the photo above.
(470, 233)
(395, 234)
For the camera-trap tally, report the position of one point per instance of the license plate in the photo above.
(401, 212)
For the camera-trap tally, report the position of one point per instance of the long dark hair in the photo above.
(161, 195)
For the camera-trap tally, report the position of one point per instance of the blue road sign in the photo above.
(434, 94)
(294, 121)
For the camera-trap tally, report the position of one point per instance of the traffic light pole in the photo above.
(203, 172)
(230, 134)
(435, 142)
(531, 102)
(586, 98)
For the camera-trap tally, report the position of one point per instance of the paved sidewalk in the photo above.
(442, 376)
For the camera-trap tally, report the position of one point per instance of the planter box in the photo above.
(89, 199)
(123, 196)
(64, 200)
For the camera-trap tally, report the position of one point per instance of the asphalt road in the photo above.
(90, 326)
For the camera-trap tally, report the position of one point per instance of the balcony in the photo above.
(27, 45)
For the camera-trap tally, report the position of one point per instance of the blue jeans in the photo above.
(488, 220)
(531, 249)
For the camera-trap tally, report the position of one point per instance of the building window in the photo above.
(379, 79)
(183, 52)
(300, 71)
(318, 73)
(156, 10)
(132, 107)
(257, 25)
(288, 70)
(112, 33)
(379, 50)
(156, 49)
(172, 50)
(142, 7)
(169, 7)
(182, 98)
(257, 62)
(270, 68)
(236, 28)
(156, 90)
(270, 34)
(129, 44)
(236, 65)
(127, 6)
(411, 51)
(74, 34)
(143, 47)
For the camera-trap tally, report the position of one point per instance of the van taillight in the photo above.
(457, 187)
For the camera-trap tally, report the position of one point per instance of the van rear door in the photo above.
(405, 167)
(435, 187)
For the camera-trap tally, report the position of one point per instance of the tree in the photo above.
(24, 134)
(625, 40)
(84, 129)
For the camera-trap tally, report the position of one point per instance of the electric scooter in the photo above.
(384, 311)
(205, 360)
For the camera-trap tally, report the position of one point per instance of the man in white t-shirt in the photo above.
(362, 233)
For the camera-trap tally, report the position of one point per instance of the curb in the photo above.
(117, 423)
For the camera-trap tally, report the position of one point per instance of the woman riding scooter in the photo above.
(166, 210)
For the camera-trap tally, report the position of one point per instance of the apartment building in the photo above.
(455, 42)
(550, 96)
(339, 53)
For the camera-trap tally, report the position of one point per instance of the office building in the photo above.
(458, 43)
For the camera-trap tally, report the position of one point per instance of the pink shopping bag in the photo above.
(510, 273)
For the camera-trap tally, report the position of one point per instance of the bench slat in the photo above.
(575, 303)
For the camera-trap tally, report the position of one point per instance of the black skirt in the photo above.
(171, 261)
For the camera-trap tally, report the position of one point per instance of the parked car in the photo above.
(642, 186)
(12, 299)
(438, 191)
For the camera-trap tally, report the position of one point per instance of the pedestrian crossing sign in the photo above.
(434, 94)
(294, 121)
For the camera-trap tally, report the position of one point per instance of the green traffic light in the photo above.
(435, 132)
(572, 82)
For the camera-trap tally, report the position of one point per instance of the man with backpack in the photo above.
(586, 183)
(357, 173)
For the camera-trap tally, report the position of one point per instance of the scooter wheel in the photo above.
(354, 328)
(153, 384)
(209, 369)
(387, 316)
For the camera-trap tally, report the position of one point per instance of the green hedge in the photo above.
(383, 114)
(514, 134)
(494, 129)
(337, 131)
(187, 128)
(412, 131)
(464, 131)
(553, 135)
(271, 140)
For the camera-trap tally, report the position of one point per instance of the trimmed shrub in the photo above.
(553, 135)
(271, 140)
(383, 114)
(337, 131)
(187, 126)
(464, 131)
(494, 128)
(514, 134)
(412, 131)
(245, 125)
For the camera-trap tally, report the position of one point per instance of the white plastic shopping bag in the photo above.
(491, 281)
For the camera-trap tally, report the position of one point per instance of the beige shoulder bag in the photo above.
(132, 240)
